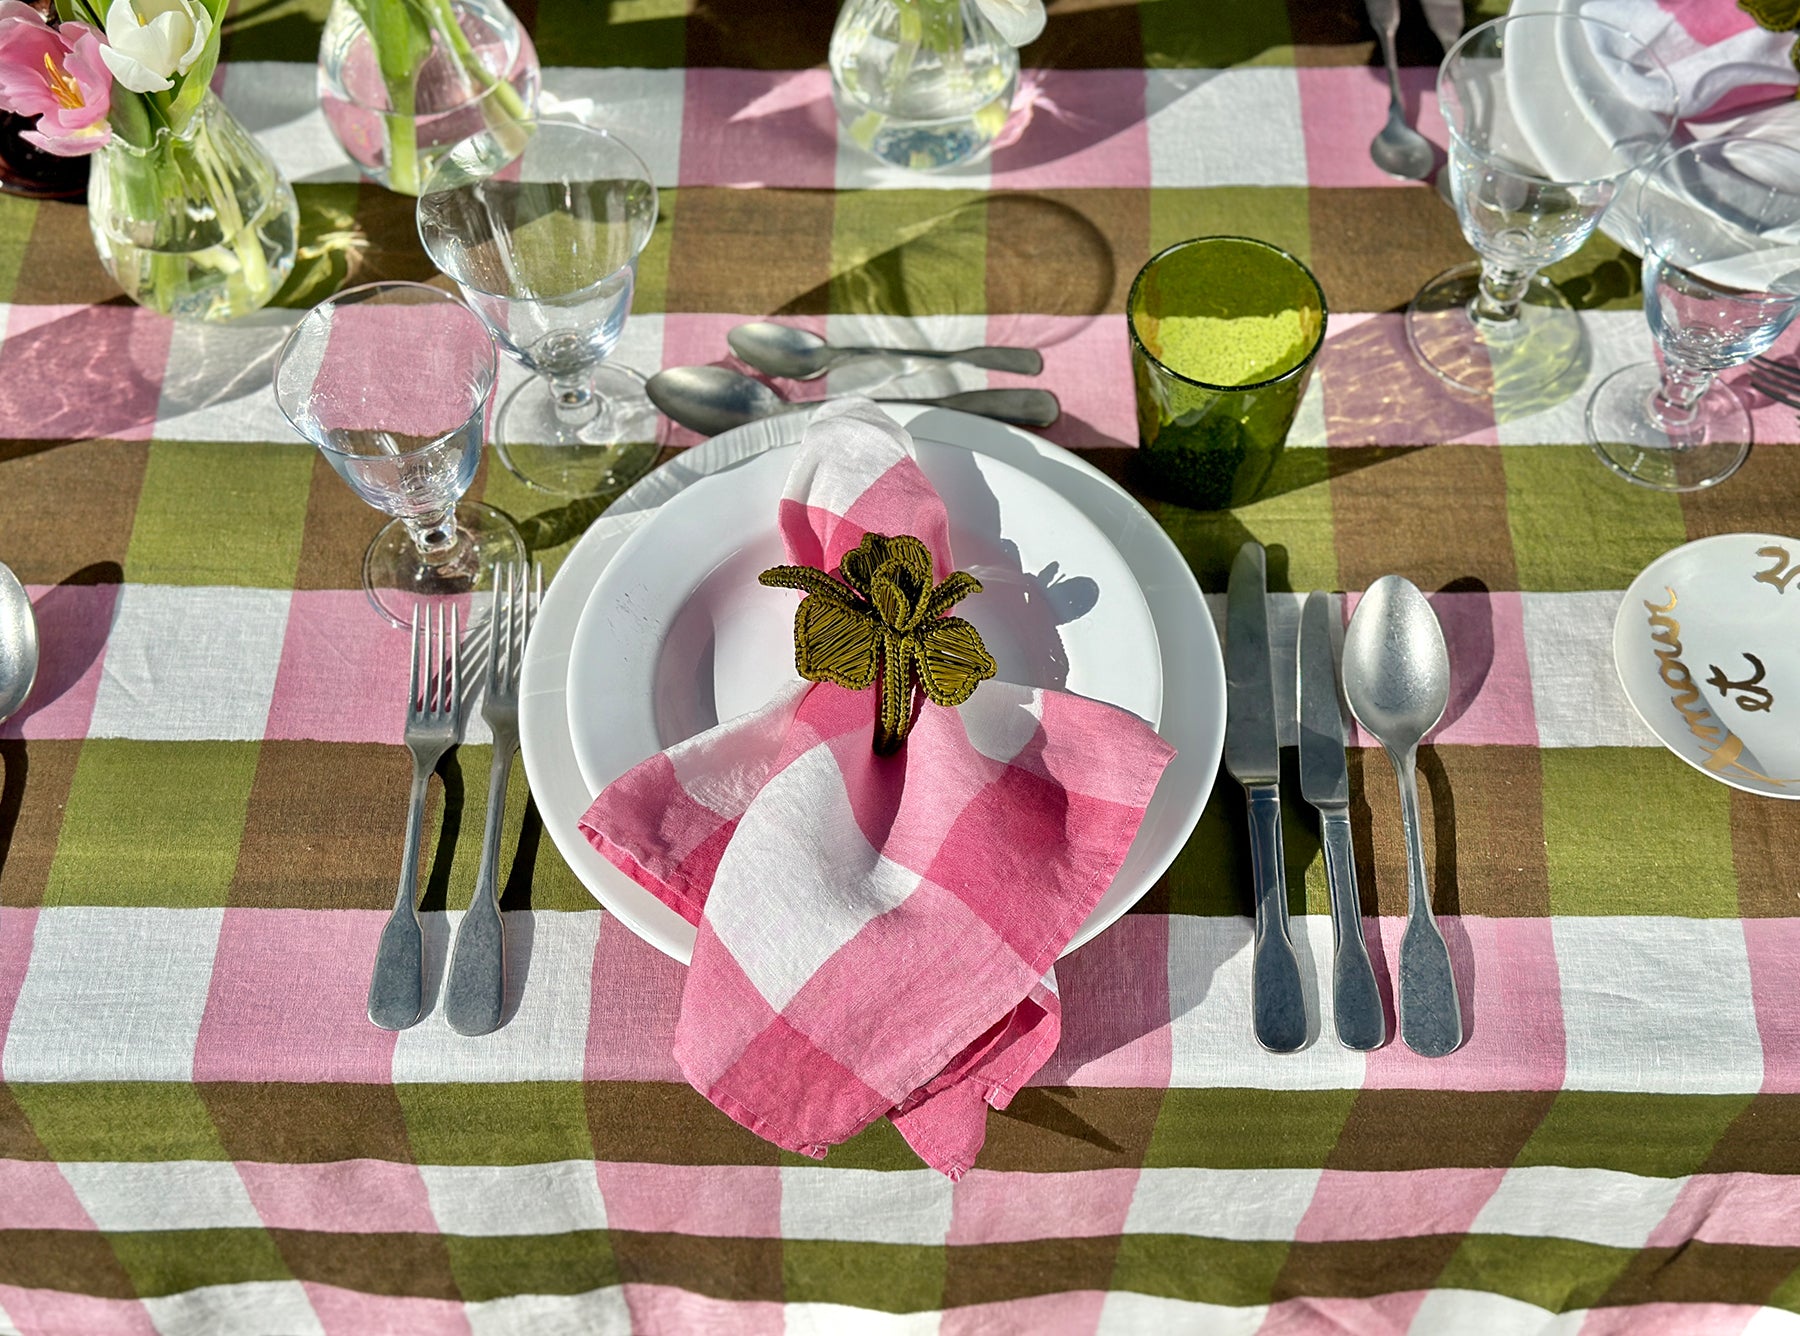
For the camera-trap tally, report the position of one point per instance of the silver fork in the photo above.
(433, 726)
(1779, 380)
(476, 993)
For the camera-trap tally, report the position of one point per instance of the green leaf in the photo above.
(1775, 15)
(952, 660)
(957, 586)
(130, 118)
(833, 643)
(807, 580)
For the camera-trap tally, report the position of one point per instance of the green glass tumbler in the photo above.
(1224, 332)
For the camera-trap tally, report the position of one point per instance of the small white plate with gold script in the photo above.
(1707, 645)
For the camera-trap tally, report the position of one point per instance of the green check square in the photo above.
(888, 1277)
(877, 1146)
(152, 823)
(613, 33)
(288, 31)
(220, 513)
(16, 218)
(1199, 1270)
(1178, 34)
(1278, 215)
(1293, 518)
(1574, 527)
(1550, 1273)
(120, 1120)
(1247, 1129)
(1601, 276)
(1653, 1136)
(1635, 830)
(650, 293)
(531, 873)
(168, 1261)
(1211, 874)
(909, 252)
(503, 1122)
(494, 1267)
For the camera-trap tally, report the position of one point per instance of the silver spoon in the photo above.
(1397, 678)
(1399, 150)
(799, 354)
(712, 399)
(18, 644)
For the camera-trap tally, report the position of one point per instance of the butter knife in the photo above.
(1325, 783)
(1253, 756)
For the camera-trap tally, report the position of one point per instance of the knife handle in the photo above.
(1355, 999)
(1277, 1004)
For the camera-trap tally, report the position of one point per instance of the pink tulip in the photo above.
(57, 75)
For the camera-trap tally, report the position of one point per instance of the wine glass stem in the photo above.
(1677, 399)
(436, 536)
(576, 402)
(1500, 293)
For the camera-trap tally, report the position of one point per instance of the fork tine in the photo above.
(1775, 373)
(412, 672)
(455, 664)
(502, 586)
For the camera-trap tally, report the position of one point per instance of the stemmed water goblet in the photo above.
(1548, 114)
(391, 382)
(1719, 223)
(542, 234)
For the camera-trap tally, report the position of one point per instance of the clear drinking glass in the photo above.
(391, 382)
(1719, 222)
(544, 240)
(1548, 113)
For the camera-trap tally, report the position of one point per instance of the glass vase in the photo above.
(923, 84)
(199, 224)
(402, 81)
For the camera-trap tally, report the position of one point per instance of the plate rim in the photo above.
(1620, 631)
(1196, 766)
(639, 536)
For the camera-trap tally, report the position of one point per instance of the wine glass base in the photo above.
(606, 453)
(1532, 358)
(1630, 443)
(397, 579)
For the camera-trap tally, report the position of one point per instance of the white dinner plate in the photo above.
(1707, 645)
(1543, 115)
(678, 635)
(1191, 717)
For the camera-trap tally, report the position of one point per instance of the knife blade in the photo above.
(1253, 756)
(1325, 783)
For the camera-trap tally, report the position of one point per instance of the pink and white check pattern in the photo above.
(876, 934)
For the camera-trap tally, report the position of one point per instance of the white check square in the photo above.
(1225, 128)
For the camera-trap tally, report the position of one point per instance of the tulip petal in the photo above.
(133, 74)
(1019, 21)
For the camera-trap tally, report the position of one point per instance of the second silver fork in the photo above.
(475, 995)
(433, 726)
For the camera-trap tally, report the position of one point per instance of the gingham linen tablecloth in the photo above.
(202, 808)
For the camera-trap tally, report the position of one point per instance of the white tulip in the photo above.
(148, 41)
(1019, 21)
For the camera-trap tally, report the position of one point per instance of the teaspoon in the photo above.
(18, 644)
(1396, 675)
(799, 354)
(712, 399)
(1399, 150)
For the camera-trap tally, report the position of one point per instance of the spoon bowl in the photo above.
(18, 644)
(1396, 677)
(1399, 150)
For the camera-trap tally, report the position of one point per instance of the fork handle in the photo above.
(397, 983)
(476, 993)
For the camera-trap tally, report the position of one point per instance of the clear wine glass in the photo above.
(1719, 223)
(391, 382)
(1548, 113)
(543, 238)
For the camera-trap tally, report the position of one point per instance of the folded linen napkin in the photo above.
(876, 934)
(1722, 62)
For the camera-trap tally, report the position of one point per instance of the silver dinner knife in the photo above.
(1253, 756)
(1325, 783)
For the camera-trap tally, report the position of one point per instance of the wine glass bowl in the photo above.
(391, 382)
(1547, 114)
(1719, 223)
(543, 239)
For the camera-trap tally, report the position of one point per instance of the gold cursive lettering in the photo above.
(1782, 573)
(1723, 747)
(1752, 697)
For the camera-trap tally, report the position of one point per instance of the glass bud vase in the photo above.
(200, 223)
(924, 84)
(401, 81)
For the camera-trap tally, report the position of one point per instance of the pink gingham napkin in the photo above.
(875, 935)
(1722, 63)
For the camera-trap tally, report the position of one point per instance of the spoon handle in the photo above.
(1430, 1012)
(1277, 1004)
(1027, 408)
(1019, 361)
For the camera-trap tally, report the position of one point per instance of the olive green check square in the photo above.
(1292, 517)
(1278, 215)
(1635, 830)
(909, 252)
(220, 513)
(507, 1122)
(889, 1277)
(1575, 527)
(118, 1121)
(152, 823)
(497, 1266)
(16, 219)
(169, 1261)
(1180, 34)
(644, 34)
